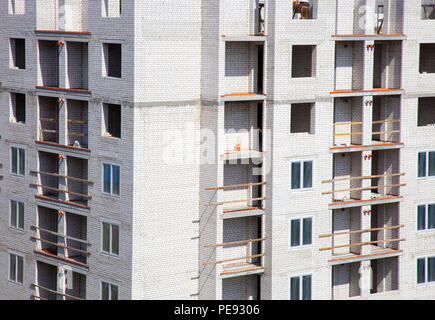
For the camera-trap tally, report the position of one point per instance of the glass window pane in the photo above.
(20, 269)
(107, 173)
(421, 278)
(294, 288)
(308, 174)
(421, 217)
(116, 181)
(22, 162)
(104, 291)
(307, 231)
(295, 233)
(14, 164)
(431, 269)
(20, 215)
(422, 164)
(13, 214)
(12, 267)
(106, 237)
(431, 216)
(432, 163)
(306, 288)
(114, 292)
(115, 239)
(296, 175)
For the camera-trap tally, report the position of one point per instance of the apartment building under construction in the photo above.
(217, 149)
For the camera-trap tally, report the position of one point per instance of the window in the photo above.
(111, 179)
(303, 61)
(302, 118)
(16, 268)
(112, 59)
(427, 58)
(109, 291)
(426, 164)
(301, 232)
(112, 120)
(17, 215)
(428, 11)
(18, 160)
(426, 270)
(426, 112)
(301, 175)
(18, 53)
(304, 10)
(426, 217)
(110, 238)
(112, 8)
(300, 287)
(17, 6)
(18, 108)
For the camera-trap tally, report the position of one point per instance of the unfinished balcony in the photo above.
(350, 242)
(71, 188)
(244, 70)
(62, 16)
(77, 66)
(48, 119)
(380, 20)
(387, 66)
(352, 189)
(349, 66)
(243, 20)
(77, 128)
(241, 288)
(348, 122)
(386, 120)
(243, 136)
(47, 284)
(62, 235)
(241, 252)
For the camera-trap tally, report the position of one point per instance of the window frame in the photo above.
(17, 228)
(426, 217)
(301, 231)
(111, 164)
(18, 147)
(111, 224)
(426, 270)
(426, 176)
(16, 255)
(110, 291)
(300, 276)
(301, 188)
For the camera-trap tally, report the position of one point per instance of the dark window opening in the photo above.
(112, 117)
(302, 118)
(113, 59)
(18, 51)
(303, 61)
(18, 101)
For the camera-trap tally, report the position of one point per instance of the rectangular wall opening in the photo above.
(112, 60)
(48, 119)
(112, 120)
(303, 61)
(111, 8)
(427, 10)
(49, 168)
(385, 275)
(303, 10)
(77, 185)
(18, 108)
(48, 63)
(427, 58)
(17, 6)
(426, 112)
(387, 64)
(386, 123)
(77, 123)
(302, 118)
(18, 53)
(386, 164)
(77, 65)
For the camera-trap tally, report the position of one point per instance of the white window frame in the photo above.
(427, 165)
(300, 276)
(301, 246)
(426, 217)
(110, 292)
(18, 160)
(111, 223)
(10, 215)
(111, 164)
(16, 270)
(302, 189)
(426, 269)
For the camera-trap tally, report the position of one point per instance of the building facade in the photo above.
(217, 149)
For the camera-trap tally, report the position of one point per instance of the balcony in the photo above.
(71, 188)
(46, 286)
(350, 243)
(69, 246)
(244, 21)
(77, 127)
